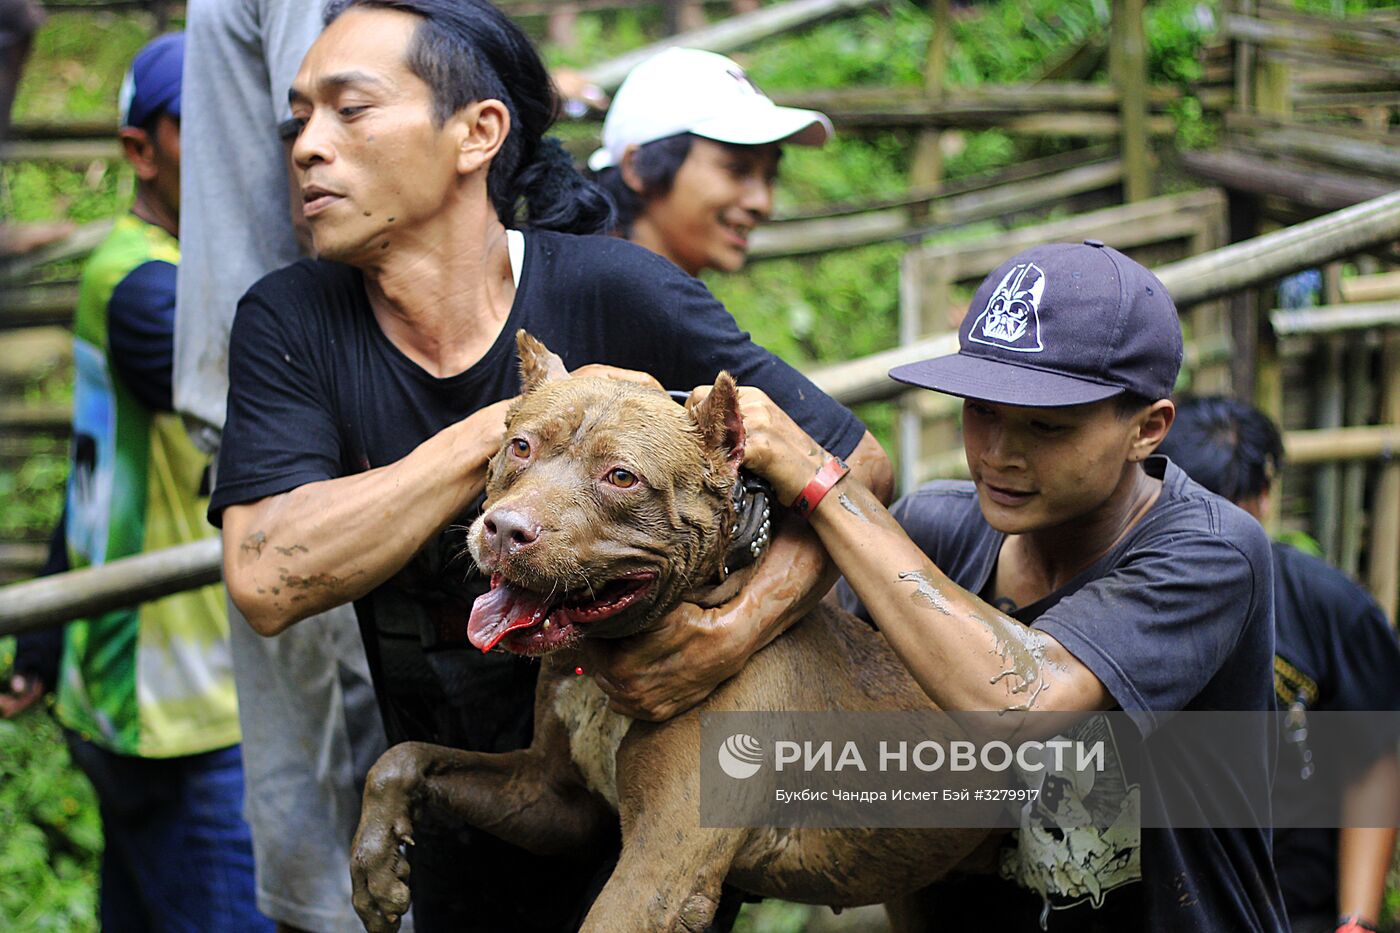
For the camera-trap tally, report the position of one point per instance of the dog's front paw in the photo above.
(379, 873)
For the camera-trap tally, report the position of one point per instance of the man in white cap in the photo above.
(690, 154)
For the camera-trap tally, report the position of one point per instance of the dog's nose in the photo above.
(508, 531)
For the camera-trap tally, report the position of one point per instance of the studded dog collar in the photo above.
(752, 530)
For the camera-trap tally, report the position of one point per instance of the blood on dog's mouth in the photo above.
(525, 622)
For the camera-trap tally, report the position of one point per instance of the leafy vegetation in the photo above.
(53, 836)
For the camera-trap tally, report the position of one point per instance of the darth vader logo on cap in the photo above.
(1011, 319)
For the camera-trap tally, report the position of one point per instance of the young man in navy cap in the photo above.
(1076, 572)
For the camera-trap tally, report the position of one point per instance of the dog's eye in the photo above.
(622, 479)
(520, 447)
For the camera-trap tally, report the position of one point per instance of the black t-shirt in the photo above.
(1334, 651)
(1177, 616)
(317, 391)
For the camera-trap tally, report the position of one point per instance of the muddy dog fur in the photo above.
(608, 505)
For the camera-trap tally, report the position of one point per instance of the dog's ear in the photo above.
(537, 364)
(720, 423)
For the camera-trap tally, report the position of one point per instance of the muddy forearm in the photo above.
(964, 653)
(324, 544)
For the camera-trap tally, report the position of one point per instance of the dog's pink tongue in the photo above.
(500, 612)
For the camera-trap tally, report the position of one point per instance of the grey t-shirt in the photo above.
(1177, 616)
(310, 726)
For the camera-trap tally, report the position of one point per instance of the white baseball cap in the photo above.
(690, 91)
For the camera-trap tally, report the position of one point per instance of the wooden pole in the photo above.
(1337, 445)
(1303, 246)
(1359, 405)
(1243, 225)
(79, 243)
(1337, 319)
(1385, 510)
(1327, 480)
(927, 169)
(1128, 51)
(1244, 58)
(94, 590)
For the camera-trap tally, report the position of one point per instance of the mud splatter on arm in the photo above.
(966, 653)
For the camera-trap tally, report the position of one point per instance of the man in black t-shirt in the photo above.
(1334, 650)
(368, 391)
(1076, 572)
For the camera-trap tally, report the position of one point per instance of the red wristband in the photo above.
(829, 475)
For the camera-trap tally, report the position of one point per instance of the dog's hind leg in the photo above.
(532, 798)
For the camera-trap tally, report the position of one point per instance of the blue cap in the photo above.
(1061, 324)
(152, 85)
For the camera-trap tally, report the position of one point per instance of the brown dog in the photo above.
(607, 506)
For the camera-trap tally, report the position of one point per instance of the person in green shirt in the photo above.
(146, 694)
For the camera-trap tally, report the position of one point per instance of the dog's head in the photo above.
(607, 504)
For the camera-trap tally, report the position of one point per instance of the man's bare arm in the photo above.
(302, 552)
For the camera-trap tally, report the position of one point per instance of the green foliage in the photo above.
(31, 496)
(601, 36)
(1302, 541)
(832, 307)
(44, 191)
(1176, 30)
(873, 48)
(845, 169)
(74, 73)
(75, 69)
(53, 835)
(824, 309)
(773, 917)
(1005, 43)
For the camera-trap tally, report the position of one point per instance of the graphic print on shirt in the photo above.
(1060, 851)
(94, 455)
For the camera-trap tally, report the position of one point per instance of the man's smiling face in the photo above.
(372, 163)
(720, 193)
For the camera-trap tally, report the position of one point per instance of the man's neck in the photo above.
(644, 233)
(1047, 560)
(443, 293)
(149, 208)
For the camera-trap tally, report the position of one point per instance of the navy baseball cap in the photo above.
(1061, 324)
(152, 85)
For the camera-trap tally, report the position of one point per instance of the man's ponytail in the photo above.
(557, 196)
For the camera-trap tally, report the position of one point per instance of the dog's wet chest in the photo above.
(595, 733)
